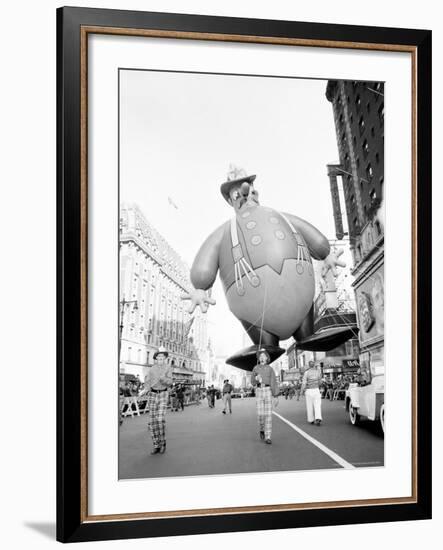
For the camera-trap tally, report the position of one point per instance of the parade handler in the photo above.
(157, 382)
(227, 398)
(310, 387)
(264, 258)
(264, 379)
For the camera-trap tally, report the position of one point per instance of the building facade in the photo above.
(152, 279)
(358, 110)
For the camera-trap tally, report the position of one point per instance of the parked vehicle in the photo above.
(366, 399)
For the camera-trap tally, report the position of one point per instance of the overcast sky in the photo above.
(178, 135)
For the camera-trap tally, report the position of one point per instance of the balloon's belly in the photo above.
(280, 302)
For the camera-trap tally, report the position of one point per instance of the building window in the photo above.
(373, 131)
(357, 160)
(373, 194)
(358, 102)
(381, 114)
(369, 171)
(365, 148)
(377, 158)
(368, 107)
(361, 124)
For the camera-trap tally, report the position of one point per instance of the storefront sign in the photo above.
(351, 365)
(291, 376)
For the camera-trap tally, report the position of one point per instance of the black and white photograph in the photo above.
(251, 274)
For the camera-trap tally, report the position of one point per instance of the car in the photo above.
(366, 399)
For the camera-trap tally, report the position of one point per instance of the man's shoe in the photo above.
(268, 441)
(163, 448)
(155, 450)
(262, 435)
(318, 422)
(224, 412)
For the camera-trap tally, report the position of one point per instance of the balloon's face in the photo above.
(242, 195)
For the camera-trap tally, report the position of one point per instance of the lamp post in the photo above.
(123, 304)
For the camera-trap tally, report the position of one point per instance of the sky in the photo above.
(179, 132)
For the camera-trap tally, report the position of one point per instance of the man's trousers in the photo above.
(264, 410)
(227, 402)
(157, 403)
(313, 404)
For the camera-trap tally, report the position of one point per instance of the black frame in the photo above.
(70, 527)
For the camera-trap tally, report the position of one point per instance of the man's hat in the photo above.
(161, 350)
(236, 176)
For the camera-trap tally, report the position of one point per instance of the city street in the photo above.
(203, 441)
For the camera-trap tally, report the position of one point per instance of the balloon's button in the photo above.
(255, 281)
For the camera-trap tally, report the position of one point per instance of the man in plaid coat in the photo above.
(264, 379)
(157, 383)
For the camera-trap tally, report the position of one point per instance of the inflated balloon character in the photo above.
(264, 258)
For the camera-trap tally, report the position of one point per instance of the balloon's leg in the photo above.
(247, 358)
(260, 336)
(306, 329)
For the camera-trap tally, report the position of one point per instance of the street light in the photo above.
(123, 305)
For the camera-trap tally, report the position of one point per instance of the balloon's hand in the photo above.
(332, 262)
(198, 297)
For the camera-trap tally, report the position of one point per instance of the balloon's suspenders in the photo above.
(303, 254)
(242, 267)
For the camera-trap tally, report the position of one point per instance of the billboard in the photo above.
(370, 300)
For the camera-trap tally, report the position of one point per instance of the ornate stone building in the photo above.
(152, 314)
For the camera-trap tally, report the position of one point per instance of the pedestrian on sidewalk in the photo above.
(181, 398)
(211, 396)
(158, 380)
(264, 379)
(227, 397)
(310, 387)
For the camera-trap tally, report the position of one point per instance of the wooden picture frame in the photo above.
(74, 523)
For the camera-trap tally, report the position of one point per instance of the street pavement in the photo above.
(203, 441)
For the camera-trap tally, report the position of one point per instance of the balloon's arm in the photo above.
(205, 267)
(317, 243)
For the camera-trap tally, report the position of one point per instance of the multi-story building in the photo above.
(358, 109)
(152, 279)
